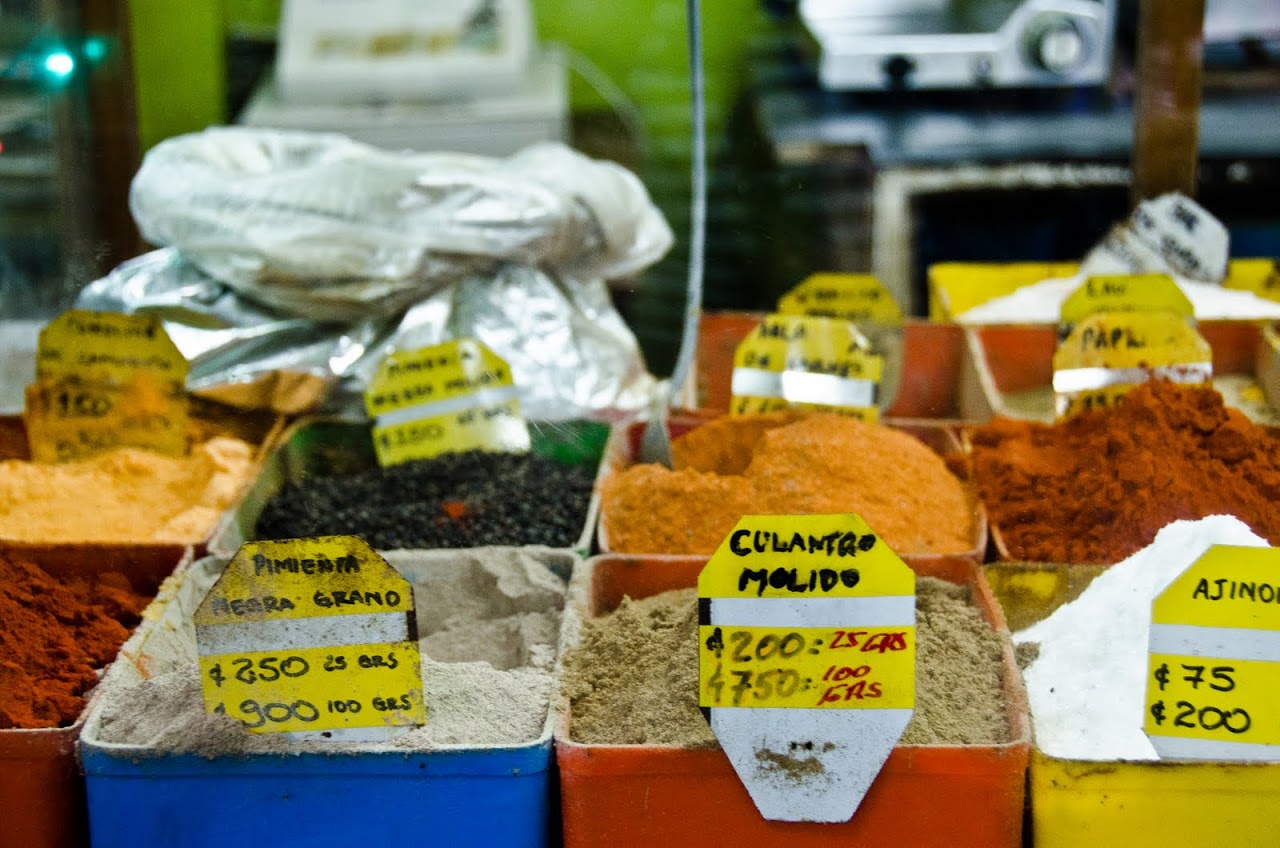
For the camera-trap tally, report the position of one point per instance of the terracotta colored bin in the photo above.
(624, 445)
(41, 788)
(1006, 359)
(662, 795)
(931, 361)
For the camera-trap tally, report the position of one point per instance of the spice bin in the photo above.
(366, 793)
(624, 447)
(1013, 369)
(259, 429)
(645, 795)
(1082, 802)
(318, 447)
(931, 362)
(41, 788)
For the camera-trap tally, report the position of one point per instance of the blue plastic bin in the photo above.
(463, 795)
(477, 797)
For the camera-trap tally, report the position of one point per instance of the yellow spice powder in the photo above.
(125, 495)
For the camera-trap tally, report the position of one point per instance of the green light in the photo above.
(95, 48)
(59, 63)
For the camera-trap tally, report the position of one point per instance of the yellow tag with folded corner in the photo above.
(452, 397)
(317, 636)
(1108, 353)
(105, 381)
(806, 363)
(1126, 293)
(860, 298)
(1213, 668)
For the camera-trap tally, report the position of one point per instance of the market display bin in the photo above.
(41, 788)
(1084, 802)
(663, 795)
(316, 447)
(955, 287)
(140, 795)
(932, 356)
(1013, 368)
(624, 447)
(258, 428)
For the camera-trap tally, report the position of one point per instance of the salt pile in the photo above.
(1087, 687)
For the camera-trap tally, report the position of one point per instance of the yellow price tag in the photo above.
(1126, 293)
(1213, 670)
(807, 363)
(452, 397)
(807, 647)
(313, 688)
(816, 667)
(105, 381)
(860, 298)
(1107, 353)
(308, 635)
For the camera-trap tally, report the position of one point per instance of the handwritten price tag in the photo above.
(452, 397)
(105, 381)
(1108, 353)
(807, 660)
(799, 362)
(860, 298)
(1125, 293)
(313, 636)
(1213, 676)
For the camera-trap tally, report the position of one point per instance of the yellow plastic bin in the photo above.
(1102, 803)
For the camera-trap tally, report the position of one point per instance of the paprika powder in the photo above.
(54, 636)
(783, 464)
(1096, 487)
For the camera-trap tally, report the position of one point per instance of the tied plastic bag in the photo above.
(314, 254)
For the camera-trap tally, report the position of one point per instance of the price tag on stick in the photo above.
(806, 660)
(456, 396)
(801, 362)
(860, 298)
(312, 636)
(105, 381)
(1213, 676)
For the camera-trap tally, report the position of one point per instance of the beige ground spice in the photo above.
(125, 495)
(633, 679)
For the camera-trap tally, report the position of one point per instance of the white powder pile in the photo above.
(1088, 684)
(488, 622)
(1041, 303)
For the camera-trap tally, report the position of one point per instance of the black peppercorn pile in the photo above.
(453, 501)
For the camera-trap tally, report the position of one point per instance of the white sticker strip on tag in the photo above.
(1087, 379)
(801, 387)
(1237, 642)
(477, 398)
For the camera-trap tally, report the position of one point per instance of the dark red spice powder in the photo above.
(54, 634)
(1097, 487)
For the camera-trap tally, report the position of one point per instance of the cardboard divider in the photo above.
(646, 795)
(941, 438)
(41, 787)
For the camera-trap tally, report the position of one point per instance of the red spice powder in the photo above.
(1097, 487)
(54, 633)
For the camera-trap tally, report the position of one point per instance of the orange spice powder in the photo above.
(124, 495)
(817, 464)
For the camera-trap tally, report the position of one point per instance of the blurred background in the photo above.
(845, 135)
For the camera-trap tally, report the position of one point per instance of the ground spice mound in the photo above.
(123, 495)
(633, 679)
(817, 464)
(54, 634)
(1096, 487)
(456, 500)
